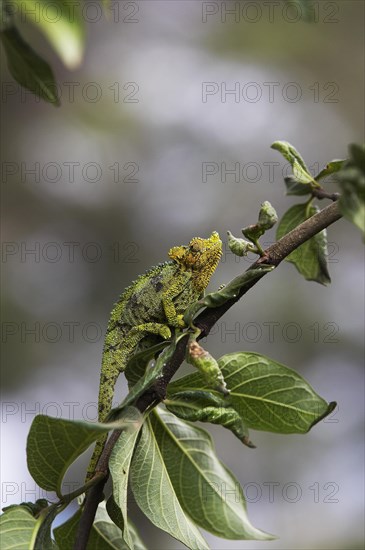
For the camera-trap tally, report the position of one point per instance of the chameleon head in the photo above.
(201, 256)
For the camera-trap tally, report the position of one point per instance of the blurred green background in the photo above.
(137, 159)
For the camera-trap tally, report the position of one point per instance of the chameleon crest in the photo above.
(149, 309)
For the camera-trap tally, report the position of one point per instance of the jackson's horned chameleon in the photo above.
(153, 305)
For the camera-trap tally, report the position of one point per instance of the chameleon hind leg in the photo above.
(114, 362)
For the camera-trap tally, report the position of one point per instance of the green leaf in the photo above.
(232, 290)
(62, 23)
(34, 507)
(20, 530)
(114, 512)
(270, 396)
(352, 182)
(204, 406)
(155, 495)
(310, 258)
(106, 529)
(65, 534)
(294, 187)
(53, 444)
(267, 395)
(206, 489)
(149, 376)
(17, 528)
(136, 366)
(116, 515)
(300, 170)
(44, 540)
(119, 465)
(331, 168)
(27, 68)
(104, 534)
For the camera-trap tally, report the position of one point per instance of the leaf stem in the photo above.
(66, 499)
(259, 250)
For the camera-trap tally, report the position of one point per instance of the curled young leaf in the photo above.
(207, 365)
(267, 216)
(204, 406)
(230, 291)
(300, 170)
(253, 232)
(239, 247)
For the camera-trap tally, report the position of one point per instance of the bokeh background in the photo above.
(137, 160)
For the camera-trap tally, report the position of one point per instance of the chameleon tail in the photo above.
(113, 363)
(108, 378)
(99, 447)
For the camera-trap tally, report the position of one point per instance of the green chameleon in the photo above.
(149, 308)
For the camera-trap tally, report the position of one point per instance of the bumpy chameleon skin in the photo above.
(152, 305)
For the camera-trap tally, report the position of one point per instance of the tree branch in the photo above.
(323, 194)
(273, 255)
(95, 494)
(305, 231)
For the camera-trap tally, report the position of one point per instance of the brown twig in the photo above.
(205, 321)
(320, 194)
(95, 494)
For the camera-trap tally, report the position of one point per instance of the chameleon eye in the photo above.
(195, 247)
